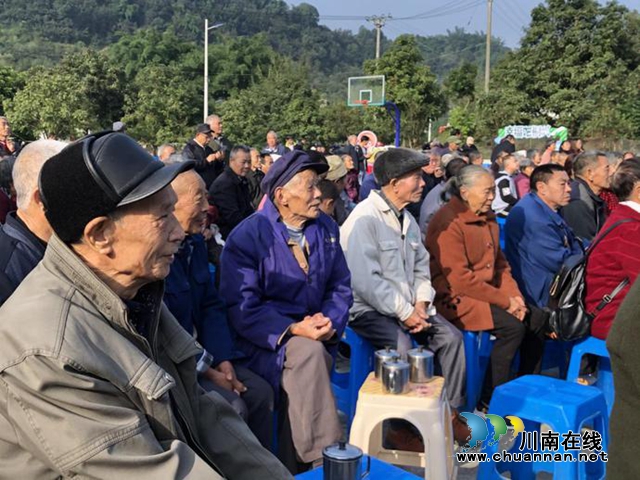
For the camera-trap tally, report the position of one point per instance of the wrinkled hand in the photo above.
(316, 327)
(227, 369)
(439, 172)
(219, 378)
(417, 322)
(11, 146)
(517, 307)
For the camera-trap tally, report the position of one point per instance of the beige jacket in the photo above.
(389, 264)
(83, 395)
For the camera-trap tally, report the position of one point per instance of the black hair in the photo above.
(543, 173)
(238, 148)
(328, 190)
(625, 178)
(473, 155)
(586, 160)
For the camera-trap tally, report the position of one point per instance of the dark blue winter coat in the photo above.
(266, 290)
(193, 299)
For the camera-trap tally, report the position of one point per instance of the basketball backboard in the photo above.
(365, 91)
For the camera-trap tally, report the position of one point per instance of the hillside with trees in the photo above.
(67, 67)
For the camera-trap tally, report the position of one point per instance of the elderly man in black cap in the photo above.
(97, 379)
(393, 296)
(288, 291)
(208, 164)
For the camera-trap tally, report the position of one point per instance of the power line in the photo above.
(378, 22)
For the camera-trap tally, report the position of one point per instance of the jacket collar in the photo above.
(552, 214)
(63, 262)
(235, 178)
(467, 216)
(382, 204)
(18, 230)
(584, 185)
(271, 212)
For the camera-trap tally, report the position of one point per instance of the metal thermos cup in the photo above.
(395, 376)
(382, 356)
(342, 461)
(421, 363)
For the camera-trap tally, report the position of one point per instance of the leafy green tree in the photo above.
(282, 101)
(236, 63)
(409, 84)
(461, 82)
(10, 82)
(448, 51)
(340, 121)
(83, 93)
(49, 104)
(571, 70)
(164, 105)
(148, 46)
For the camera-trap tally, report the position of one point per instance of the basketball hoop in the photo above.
(363, 103)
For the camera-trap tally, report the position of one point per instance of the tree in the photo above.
(148, 46)
(446, 52)
(573, 69)
(83, 93)
(164, 105)
(460, 84)
(236, 63)
(10, 82)
(409, 84)
(281, 101)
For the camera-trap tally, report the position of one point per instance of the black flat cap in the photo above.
(97, 174)
(397, 162)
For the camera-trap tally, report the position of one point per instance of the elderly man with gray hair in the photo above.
(288, 290)
(587, 212)
(97, 378)
(390, 276)
(24, 236)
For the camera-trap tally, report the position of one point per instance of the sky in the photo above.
(434, 16)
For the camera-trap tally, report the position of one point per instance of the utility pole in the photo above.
(207, 29)
(487, 60)
(378, 22)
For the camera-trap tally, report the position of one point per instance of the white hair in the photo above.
(28, 165)
(162, 148)
(212, 117)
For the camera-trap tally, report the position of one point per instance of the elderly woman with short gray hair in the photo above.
(473, 282)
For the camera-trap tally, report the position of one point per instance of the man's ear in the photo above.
(280, 196)
(99, 234)
(35, 197)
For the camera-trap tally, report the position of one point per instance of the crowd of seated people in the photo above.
(129, 345)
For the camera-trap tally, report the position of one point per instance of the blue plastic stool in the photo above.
(501, 223)
(346, 385)
(556, 355)
(477, 350)
(597, 347)
(379, 471)
(560, 404)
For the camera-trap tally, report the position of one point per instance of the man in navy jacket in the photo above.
(191, 296)
(24, 236)
(538, 240)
